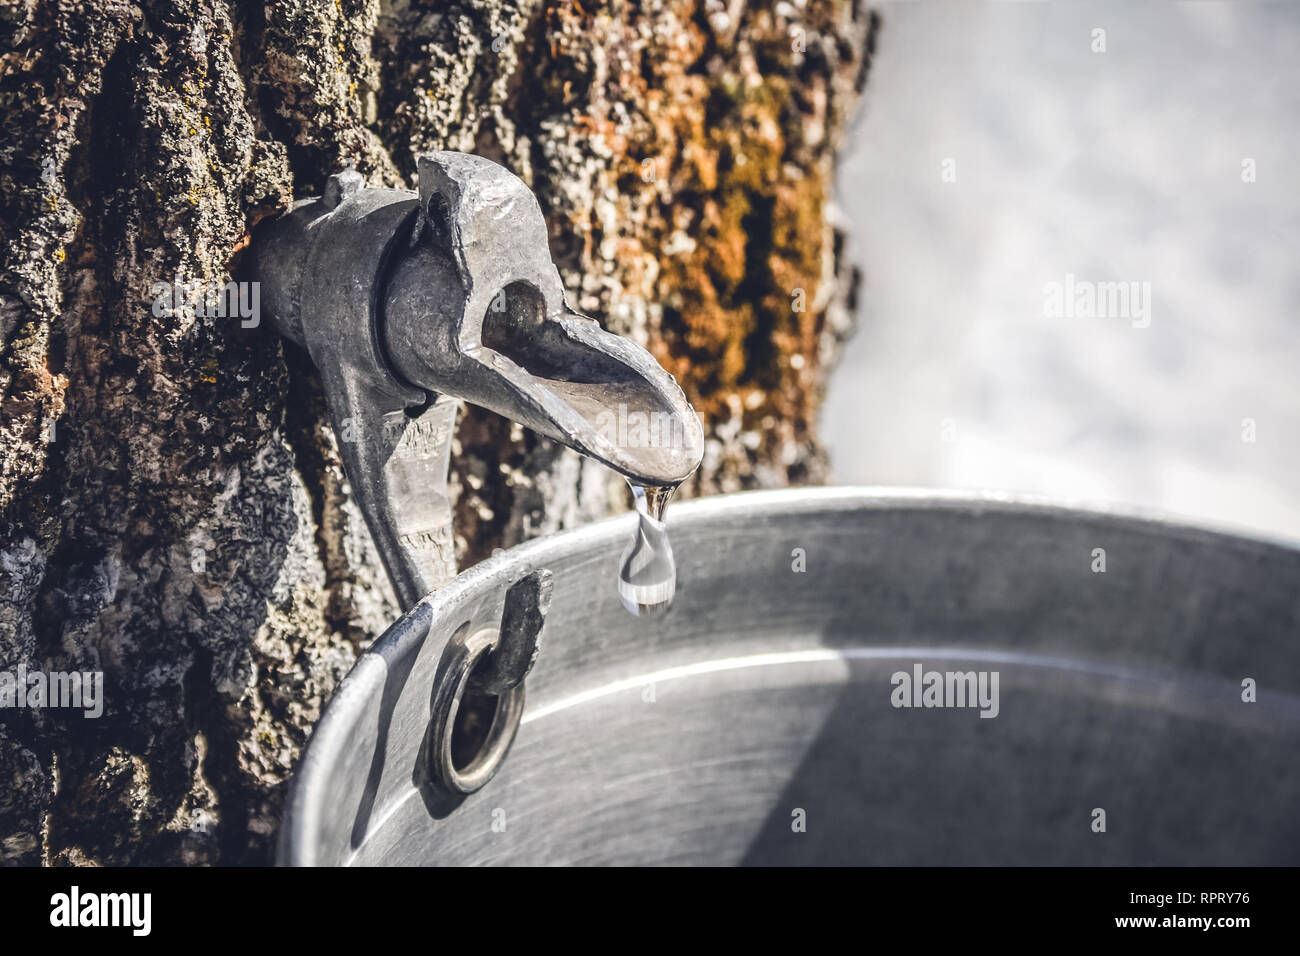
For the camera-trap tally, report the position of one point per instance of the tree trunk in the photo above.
(174, 512)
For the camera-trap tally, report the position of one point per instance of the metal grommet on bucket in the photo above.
(470, 735)
(478, 696)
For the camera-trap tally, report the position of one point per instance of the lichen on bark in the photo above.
(172, 508)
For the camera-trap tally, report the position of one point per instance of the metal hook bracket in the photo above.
(478, 697)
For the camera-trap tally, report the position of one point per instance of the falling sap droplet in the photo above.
(647, 578)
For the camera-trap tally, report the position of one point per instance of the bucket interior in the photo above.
(761, 720)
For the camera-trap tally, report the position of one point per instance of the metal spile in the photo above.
(408, 302)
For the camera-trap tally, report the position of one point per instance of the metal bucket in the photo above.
(1146, 714)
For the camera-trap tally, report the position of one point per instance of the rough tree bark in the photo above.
(174, 513)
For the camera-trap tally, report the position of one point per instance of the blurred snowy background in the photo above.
(997, 152)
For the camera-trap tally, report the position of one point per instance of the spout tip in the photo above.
(599, 393)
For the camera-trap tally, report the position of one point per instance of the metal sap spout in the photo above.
(409, 303)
